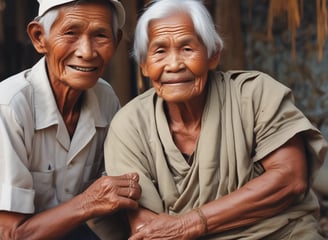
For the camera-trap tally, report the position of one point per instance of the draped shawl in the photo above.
(247, 116)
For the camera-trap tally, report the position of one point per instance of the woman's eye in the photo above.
(159, 51)
(69, 33)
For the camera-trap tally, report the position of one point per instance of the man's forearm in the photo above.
(54, 223)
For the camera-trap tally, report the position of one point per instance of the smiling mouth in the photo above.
(84, 69)
(176, 82)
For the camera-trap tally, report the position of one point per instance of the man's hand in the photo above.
(105, 196)
(111, 193)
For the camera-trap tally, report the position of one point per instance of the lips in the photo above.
(177, 81)
(84, 69)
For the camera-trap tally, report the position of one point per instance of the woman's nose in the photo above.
(174, 62)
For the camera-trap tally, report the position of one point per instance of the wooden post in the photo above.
(227, 19)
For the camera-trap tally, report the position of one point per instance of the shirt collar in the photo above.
(46, 111)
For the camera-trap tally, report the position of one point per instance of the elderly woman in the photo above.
(53, 122)
(220, 155)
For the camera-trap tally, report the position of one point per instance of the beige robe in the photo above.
(247, 116)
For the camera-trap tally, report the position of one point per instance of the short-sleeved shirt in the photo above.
(40, 165)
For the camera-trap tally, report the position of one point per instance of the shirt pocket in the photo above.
(91, 172)
(45, 194)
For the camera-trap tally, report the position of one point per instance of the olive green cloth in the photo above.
(247, 116)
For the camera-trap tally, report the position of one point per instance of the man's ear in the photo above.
(118, 37)
(38, 36)
(214, 60)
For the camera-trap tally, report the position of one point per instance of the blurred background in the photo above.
(284, 38)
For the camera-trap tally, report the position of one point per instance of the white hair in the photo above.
(48, 19)
(201, 18)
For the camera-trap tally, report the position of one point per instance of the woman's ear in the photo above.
(38, 36)
(144, 69)
(214, 60)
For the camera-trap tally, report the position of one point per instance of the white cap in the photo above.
(45, 5)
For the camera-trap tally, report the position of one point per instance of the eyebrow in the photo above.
(76, 25)
(70, 25)
(187, 40)
(182, 41)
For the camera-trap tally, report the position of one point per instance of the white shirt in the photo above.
(40, 166)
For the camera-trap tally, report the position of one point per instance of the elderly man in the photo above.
(220, 155)
(53, 121)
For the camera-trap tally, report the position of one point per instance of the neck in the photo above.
(185, 113)
(184, 121)
(69, 105)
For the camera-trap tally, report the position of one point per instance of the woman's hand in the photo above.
(163, 226)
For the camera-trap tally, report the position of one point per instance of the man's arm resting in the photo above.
(104, 196)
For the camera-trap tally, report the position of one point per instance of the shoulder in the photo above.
(14, 87)
(253, 85)
(16, 101)
(253, 80)
(104, 89)
(16, 97)
(106, 95)
(138, 111)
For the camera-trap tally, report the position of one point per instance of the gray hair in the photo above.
(48, 19)
(200, 16)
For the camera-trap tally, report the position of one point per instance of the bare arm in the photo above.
(104, 196)
(284, 179)
(139, 218)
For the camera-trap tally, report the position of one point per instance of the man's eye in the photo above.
(69, 33)
(102, 35)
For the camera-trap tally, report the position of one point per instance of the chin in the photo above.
(177, 99)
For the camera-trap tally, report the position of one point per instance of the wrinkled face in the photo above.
(80, 44)
(176, 61)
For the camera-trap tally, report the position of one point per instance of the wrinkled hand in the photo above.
(165, 226)
(111, 193)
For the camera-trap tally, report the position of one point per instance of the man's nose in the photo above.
(85, 48)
